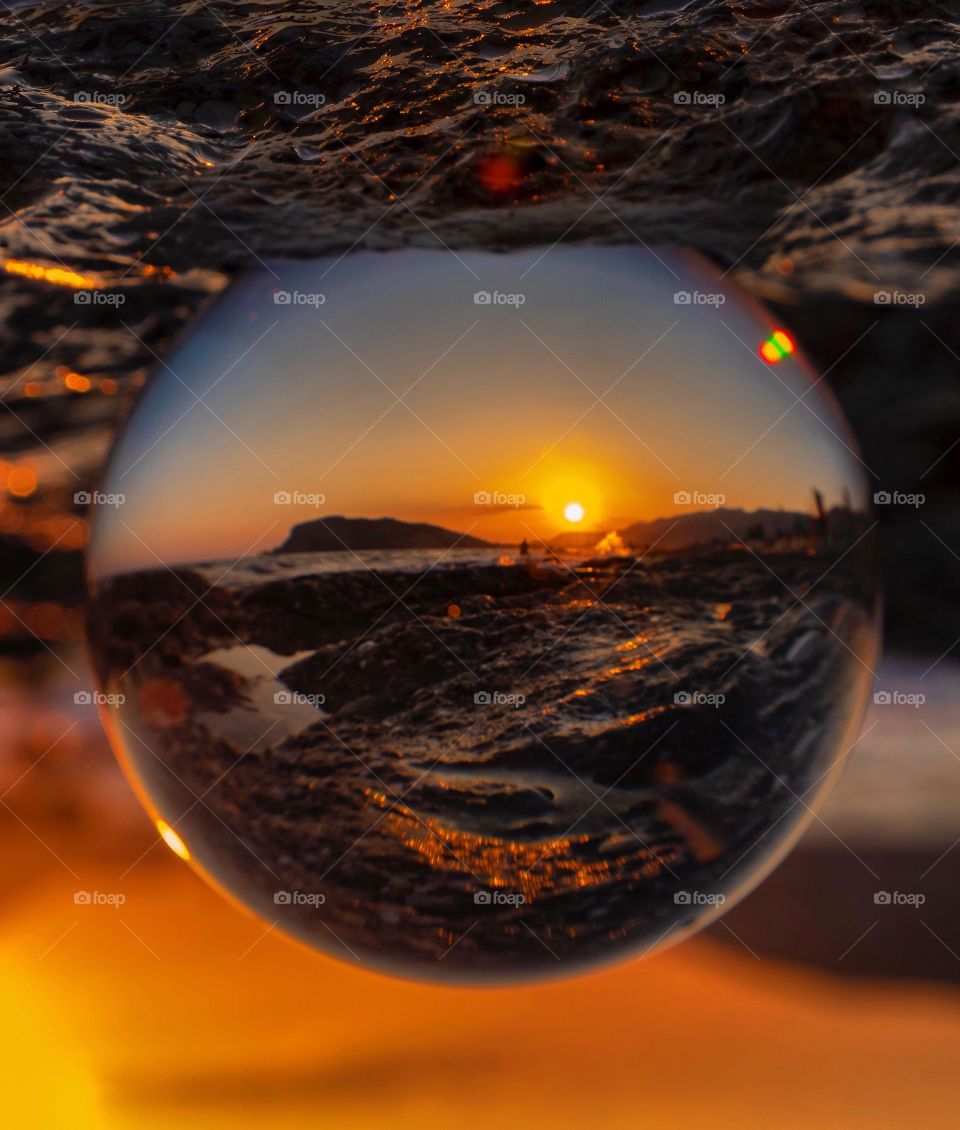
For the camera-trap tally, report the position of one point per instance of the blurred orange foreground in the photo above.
(175, 1009)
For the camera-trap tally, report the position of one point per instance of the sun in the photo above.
(573, 512)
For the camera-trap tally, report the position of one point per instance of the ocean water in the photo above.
(286, 566)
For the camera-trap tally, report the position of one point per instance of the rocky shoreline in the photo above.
(497, 772)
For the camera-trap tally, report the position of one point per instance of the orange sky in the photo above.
(400, 396)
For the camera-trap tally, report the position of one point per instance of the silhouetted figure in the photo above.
(821, 525)
(524, 548)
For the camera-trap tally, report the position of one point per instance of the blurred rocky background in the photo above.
(155, 150)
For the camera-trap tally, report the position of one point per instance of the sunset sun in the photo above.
(573, 512)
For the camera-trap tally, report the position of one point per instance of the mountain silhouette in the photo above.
(328, 535)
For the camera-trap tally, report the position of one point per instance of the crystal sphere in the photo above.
(484, 616)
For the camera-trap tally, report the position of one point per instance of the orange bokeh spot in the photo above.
(769, 352)
(164, 703)
(76, 382)
(453, 611)
(22, 481)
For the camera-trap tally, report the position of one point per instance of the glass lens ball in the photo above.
(484, 616)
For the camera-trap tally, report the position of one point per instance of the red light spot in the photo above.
(777, 346)
(500, 174)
